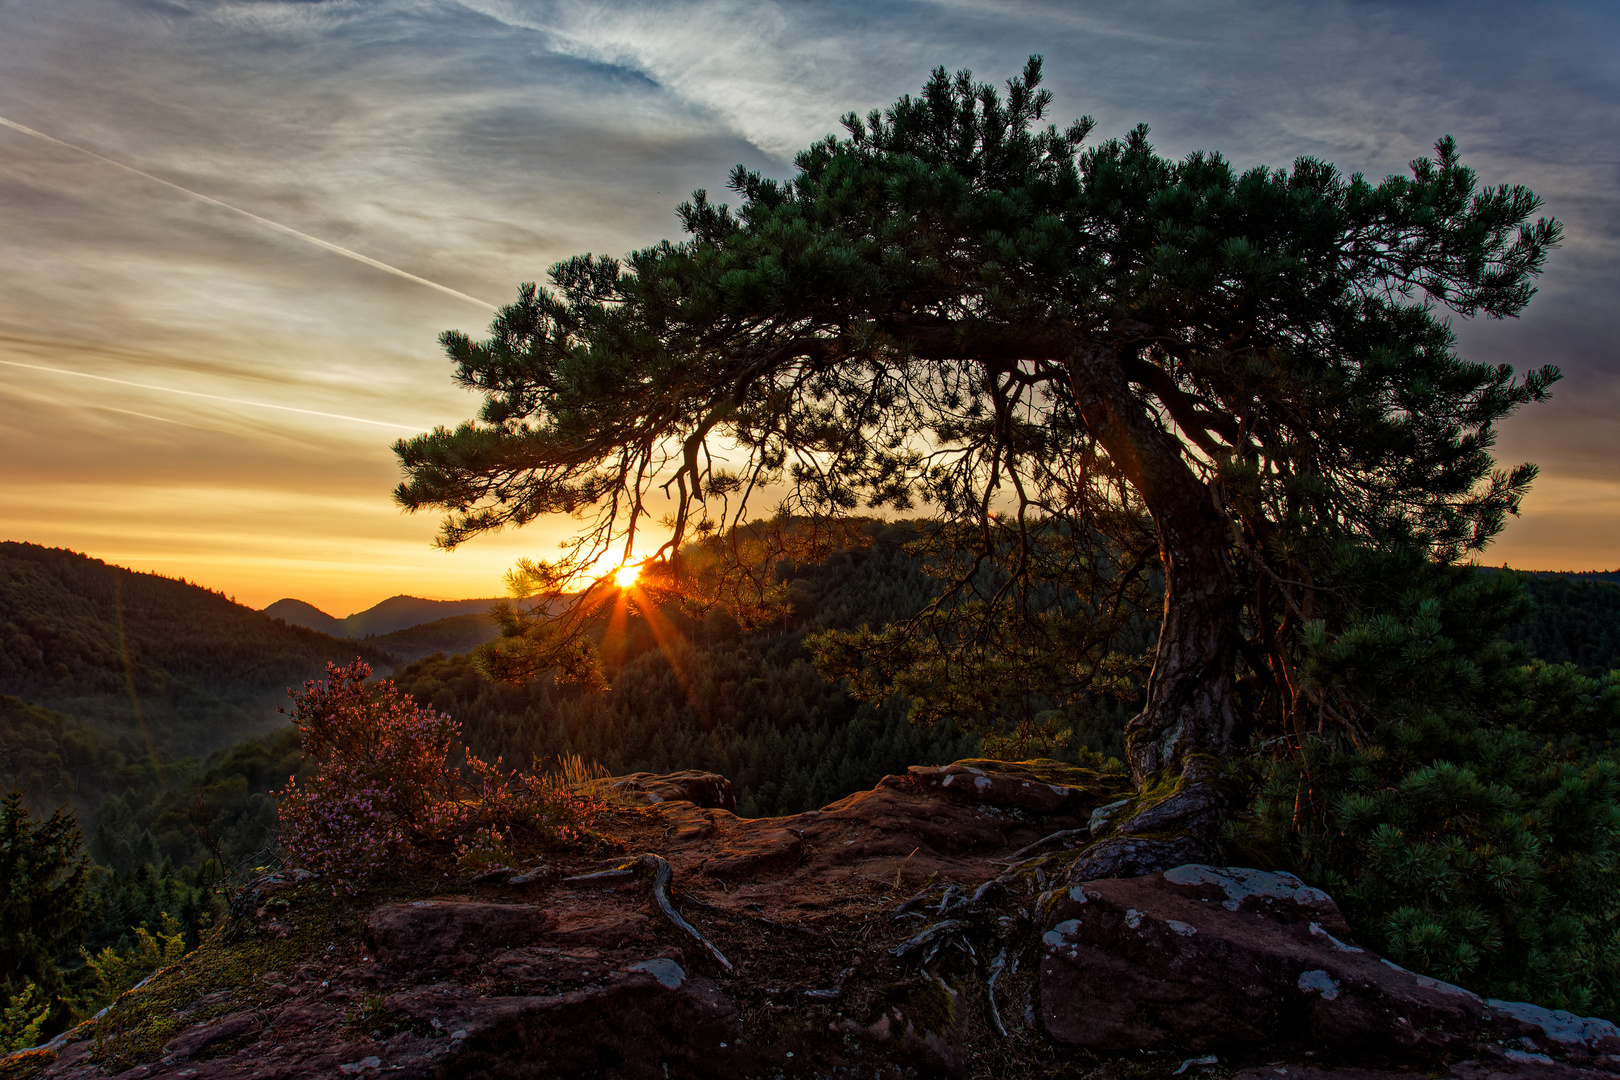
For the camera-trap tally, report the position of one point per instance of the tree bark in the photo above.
(1189, 697)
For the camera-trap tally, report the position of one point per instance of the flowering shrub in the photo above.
(386, 789)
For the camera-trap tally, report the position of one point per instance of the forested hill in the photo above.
(152, 660)
(451, 636)
(700, 694)
(1611, 576)
(753, 708)
(1575, 619)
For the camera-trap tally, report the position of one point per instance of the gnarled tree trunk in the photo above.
(1190, 709)
(1189, 699)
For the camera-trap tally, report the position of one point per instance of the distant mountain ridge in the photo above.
(297, 613)
(1577, 575)
(452, 636)
(395, 613)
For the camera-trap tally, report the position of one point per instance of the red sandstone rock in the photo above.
(705, 789)
(1003, 789)
(199, 1036)
(425, 933)
(1212, 958)
(643, 1017)
(587, 978)
(749, 853)
(598, 927)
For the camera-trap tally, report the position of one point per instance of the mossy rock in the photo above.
(25, 1063)
(224, 969)
(931, 1008)
(1050, 771)
(927, 1005)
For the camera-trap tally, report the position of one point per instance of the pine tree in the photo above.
(42, 901)
(1472, 830)
(1216, 376)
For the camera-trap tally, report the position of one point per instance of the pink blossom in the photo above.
(386, 792)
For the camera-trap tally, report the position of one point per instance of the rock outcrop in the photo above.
(1215, 958)
(941, 924)
(704, 789)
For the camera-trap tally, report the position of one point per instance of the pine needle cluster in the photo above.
(1471, 827)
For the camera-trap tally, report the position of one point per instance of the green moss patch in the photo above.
(1049, 771)
(137, 1025)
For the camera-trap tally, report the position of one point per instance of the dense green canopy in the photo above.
(42, 904)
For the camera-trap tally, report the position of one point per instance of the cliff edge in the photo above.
(937, 925)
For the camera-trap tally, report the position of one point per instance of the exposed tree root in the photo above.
(661, 875)
(1063, 834)
(933, 935)
(996, 967)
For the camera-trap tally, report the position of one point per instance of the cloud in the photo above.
(324, 245)
(777, 74)
(300, 410)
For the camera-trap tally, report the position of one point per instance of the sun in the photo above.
(626, 575)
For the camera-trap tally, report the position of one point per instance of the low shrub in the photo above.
(388, 788)
(1471, 829)
(115, 972)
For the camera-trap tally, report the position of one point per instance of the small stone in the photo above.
(667, 972)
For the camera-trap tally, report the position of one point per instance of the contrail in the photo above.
(149, 416)
(266, 222)
(211, 397)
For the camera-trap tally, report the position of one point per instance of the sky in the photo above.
(232, 230)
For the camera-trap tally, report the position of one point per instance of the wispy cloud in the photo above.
(211, 397)
(779, 74)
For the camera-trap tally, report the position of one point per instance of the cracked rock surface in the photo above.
(900, 932)
(1206, 957)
